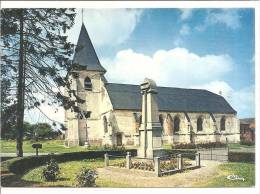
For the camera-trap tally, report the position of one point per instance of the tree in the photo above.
(36, 55)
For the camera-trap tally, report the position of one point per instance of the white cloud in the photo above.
(186, 14)
(185, 30)
(180, 68)
(106, 26)
(216, 86)
(241, 100)
(228, 17)
(176, 67)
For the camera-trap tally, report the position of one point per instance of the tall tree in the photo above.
(37, 56)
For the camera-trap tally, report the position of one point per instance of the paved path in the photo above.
(137, 178)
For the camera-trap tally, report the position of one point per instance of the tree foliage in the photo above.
(35, 60)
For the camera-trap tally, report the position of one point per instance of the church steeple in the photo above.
(85, 54)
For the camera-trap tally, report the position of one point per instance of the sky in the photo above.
(210, 49)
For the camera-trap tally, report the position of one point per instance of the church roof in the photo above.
(85, 54)
(128, 97)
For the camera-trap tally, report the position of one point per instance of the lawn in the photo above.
(245, 170)
(239, 146)
(55, 146)
(68, 174)
(69, 170)
(50, 146)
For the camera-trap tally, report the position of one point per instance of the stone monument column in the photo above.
(151, 129)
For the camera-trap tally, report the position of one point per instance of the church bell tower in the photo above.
(87, 80)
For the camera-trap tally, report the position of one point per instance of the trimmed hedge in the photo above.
(187, 153)
(21, 165)
(200, 145)
(241, 157)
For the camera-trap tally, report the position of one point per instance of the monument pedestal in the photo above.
(152, 146)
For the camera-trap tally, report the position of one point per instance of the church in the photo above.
(186, 115)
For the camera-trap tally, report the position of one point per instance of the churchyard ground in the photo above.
(57, 146)
(214, 175)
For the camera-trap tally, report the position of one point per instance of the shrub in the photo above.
(200, 145)
(241, 157)
(86, 178)
(248, 143)
(51, 171)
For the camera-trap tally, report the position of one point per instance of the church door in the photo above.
(119, 139)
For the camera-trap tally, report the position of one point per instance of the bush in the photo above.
(201, 145)
(248, 143)
(108, 148)
(51, 171)
(241, 157)
(86, 178)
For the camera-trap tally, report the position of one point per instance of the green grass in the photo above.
(239, 146)
(68, 174)
(245, 170)
(48, 146)
(55, 146)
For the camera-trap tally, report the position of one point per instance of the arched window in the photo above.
(199, 124)
(87, 84)
(176, 123)
(169, 126)
(161, 119)
(105, 124)
(223, 124)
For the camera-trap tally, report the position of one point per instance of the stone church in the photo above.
(186, 115)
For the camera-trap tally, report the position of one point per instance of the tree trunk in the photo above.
(20, 93)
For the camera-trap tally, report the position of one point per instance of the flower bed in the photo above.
(172, 164)
(143, 165)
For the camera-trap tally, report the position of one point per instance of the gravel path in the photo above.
(137, 178)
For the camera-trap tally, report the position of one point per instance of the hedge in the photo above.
(241, 157)
(200, 145)
(188, 153)
(21, 165)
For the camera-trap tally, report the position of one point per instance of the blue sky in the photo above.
(209, 49)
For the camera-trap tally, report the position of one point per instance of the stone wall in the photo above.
(123, 125)
(125, 122)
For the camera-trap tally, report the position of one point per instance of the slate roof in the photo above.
(128, 97)
(85, 54)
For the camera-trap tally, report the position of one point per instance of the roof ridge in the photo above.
(164, 87)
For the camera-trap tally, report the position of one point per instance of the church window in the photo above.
(105, 124)
(176, 122)
(87, 84)
(161, 119)
(199, 124)
(169, 126)
(223, 124)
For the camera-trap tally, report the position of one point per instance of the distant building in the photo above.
(247, 130)
(187, 115)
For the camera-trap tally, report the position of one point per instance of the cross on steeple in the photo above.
(82, 10)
